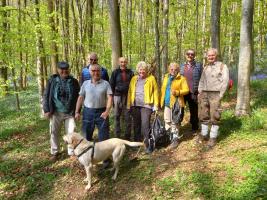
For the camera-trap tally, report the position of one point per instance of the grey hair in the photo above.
(98, 66)
(142, 65)
(213, 50)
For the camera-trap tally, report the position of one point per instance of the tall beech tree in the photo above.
(115, 27)
(245, 59)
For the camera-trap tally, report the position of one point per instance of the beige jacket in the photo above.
(215, 77)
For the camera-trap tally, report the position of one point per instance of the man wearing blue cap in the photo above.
(59, 102)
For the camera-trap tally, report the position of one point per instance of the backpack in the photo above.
(159, 137)
(231, 81)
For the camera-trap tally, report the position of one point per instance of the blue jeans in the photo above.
(91, 117)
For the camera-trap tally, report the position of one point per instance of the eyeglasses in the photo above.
(190, 54)
(93, 59)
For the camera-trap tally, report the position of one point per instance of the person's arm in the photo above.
(108, 107)
(78, 107)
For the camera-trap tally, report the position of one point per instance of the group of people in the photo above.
(134, 98)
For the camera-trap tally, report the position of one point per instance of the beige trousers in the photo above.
(56, 122)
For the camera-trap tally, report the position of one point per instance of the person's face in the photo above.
(211, 57)
(92, 59)
(95, 73)
(142, 73)
(123, 63)
(190, 56)
(63, 73)
(173, 70)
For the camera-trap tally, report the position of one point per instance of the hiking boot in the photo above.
(148, 150)
(54, 157)
(211, 143)
(174, 144)
(200, 139)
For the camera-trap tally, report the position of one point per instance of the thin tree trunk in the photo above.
(54, 48)
(89, 17)
(157, 38)
(203, 41)
(40, 58)
(115, 26)
(245, 59)
(26, 62)
(75, 47)
(3, 67)
(15, 88)
(165, 36)
(196, 25)
(215, 25)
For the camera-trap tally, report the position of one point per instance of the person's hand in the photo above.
(48, 115)
(104, 115)
(174, 93)
(77, 116)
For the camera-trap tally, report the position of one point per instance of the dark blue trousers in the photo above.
(91, 117)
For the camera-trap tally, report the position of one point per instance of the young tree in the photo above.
(165, 35)
(115, 26)
(245, 59)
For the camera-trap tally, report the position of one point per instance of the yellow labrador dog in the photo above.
(89, 153)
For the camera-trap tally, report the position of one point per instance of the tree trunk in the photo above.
(89, 20)
(54, 48)
(196, 26)
(15, 88)
(40, 57)
(203, 41)
(3, 67)
(245, 59)
(165, 36)
(115, 26)
(157, 38)
(215, 25)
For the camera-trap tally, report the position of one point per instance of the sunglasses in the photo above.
(190, 54)
(93, 59)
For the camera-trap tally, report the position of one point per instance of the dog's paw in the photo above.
(88, 187)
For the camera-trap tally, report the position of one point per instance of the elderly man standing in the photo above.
(192, 71)
(96, 95)
(174, 86)
(119, 81)
(212, 86)
(86, 75)
(60, 98)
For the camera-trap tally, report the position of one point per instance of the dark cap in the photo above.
(63, 65)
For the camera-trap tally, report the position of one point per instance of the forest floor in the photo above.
(235, 169)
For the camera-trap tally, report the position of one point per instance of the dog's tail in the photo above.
(133, 144)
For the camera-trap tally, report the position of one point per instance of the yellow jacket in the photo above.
(151, 95)
(179, 85)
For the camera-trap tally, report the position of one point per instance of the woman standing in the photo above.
(143, 99)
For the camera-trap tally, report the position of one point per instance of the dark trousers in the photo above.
(121, 112)
(141, 122)
(193, 108)
(91, 117)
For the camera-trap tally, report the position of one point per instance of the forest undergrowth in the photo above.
(235, 169)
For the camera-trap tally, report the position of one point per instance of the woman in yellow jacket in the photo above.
(142, 100)
(174, 86)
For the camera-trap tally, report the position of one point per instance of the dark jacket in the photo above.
(85, 75)
(118, 86)
(48, 104)
(197, 71)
